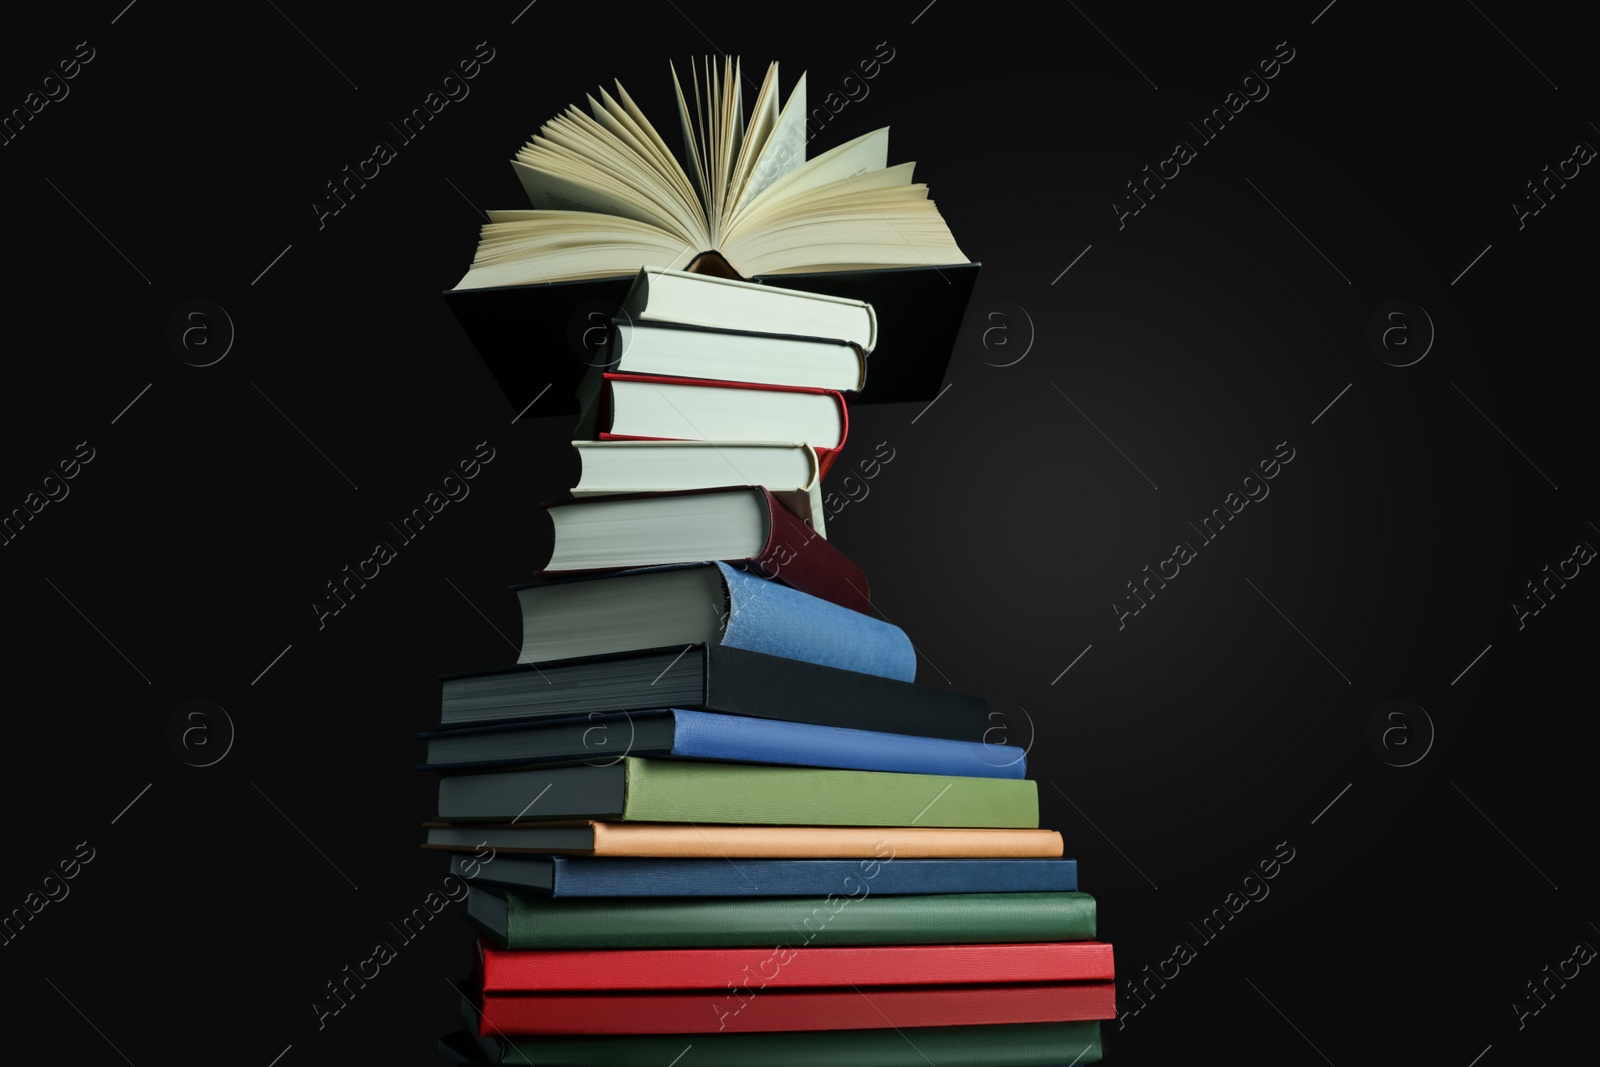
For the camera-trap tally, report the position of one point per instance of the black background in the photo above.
(1228, 716)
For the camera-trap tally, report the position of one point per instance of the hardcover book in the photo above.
(721, 678)
(702, 735)
(984, 1045)
(663, 840)
(760, 969)
(704, 603)
(512, 920)
(892, 1007)
(743, 525)
(666, 790)
(609, 196)
(601, 876)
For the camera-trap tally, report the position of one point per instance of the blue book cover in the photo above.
(768, 616)
(606, 876)
(703, 735)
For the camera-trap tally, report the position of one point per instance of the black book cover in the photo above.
(754, 684)
(538, 339)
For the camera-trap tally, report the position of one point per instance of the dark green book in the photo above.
(685, 791)
(1009, 1045)
(513, 920)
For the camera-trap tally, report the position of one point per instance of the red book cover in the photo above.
(753, 970)
(794, 553)
(738, 1009)
(826, 452)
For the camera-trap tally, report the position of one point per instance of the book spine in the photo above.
(798, 557)
(580, 876)
(1015, 1045)
(837, 919)
(574, 970)
(680, 791)
(789, 1010)
(765, 616)
(707, 735)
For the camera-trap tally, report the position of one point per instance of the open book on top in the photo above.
(610, 196)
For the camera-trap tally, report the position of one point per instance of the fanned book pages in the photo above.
(609, 195)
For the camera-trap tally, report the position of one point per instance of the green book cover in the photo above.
(1009, 1045)
(539, 922)
(687, 791)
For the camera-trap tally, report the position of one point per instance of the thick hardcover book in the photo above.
(664, 790)
(714, 354)
(664, 840)
(653, 407)
(681, 734)
(632, 530)
(722, 678)
(526, 921)
(1011, 1045)
(539, 337)
(753, 971)
(703, 603)
(601, 876)
(893, 1007)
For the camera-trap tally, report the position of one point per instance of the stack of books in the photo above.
(709, 818)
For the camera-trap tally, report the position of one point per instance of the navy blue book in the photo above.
(704, 604)
(675, 733)
(610, 876)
